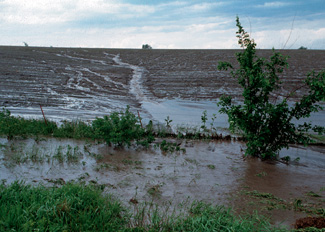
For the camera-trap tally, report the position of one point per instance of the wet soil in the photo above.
(77, 83)
(211, 171)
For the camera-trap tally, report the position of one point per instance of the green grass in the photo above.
(69, 208)
(317, 138)
(77, 207)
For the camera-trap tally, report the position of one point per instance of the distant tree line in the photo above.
(302, 48)
(146, 46)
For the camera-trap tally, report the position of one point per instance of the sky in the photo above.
(182, 24)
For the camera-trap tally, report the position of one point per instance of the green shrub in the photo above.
(121, 129)
(267, 125)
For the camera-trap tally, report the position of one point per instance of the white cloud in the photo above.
(290, 39)
(274, 4)
(51, 11)
(200, 7)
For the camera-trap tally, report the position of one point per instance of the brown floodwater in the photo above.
(211, 171)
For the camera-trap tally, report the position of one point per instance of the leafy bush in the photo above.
(267, 126)
(121, 129)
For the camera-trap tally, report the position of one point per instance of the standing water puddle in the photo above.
(211, 171)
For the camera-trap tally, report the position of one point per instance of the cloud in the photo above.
(202, 7)
(274, 4)
(162, 24)
(64, 11)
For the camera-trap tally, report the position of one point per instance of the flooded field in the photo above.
(87, 83)
(211, 171)
(84, 84)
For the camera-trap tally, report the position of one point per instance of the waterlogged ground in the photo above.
(84, 84)
(77, 83)
(211, 171)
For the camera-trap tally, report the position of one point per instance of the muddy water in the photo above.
(211, 171)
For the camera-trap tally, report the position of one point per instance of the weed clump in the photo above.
(121, 129)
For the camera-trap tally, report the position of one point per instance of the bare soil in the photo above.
(100, 79)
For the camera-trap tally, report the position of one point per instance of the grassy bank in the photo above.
(118, 128)
(76, 207)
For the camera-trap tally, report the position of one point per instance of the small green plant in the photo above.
(127, 161)
(102, 166)
(73, 154)
(312, 194)
(212, 128)
(204, 119)
(192, 161)
(137, 162)
(297, 204)
(170, 147)
(59, 154)
(258, 194)
(297, 159)
(261, 174)
(155, 190)
(211, 166)
(267, 123)
(168, 122)
(35, 154)
(286, 159)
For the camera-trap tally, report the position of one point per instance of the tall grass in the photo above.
(76, 207)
